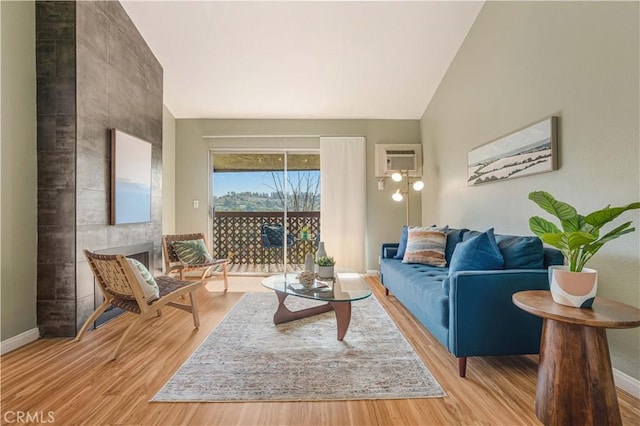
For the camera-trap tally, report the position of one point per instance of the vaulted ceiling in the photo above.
(335, 59)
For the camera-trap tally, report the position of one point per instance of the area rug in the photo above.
(248, 358)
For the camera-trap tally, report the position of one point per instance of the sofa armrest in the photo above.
(388, 250)
(482, 317)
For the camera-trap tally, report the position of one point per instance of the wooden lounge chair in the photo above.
(173, 264)
(120, 288)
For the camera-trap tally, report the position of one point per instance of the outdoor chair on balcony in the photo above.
(188, 253)
(126, 284)
(272, 236)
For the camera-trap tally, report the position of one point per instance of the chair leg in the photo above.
(94, 316)
(194, 309)
(126, 334)
(225, 276)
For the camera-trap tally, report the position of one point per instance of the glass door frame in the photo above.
(281, 151)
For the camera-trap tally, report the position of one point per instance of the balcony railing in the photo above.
(236, 235)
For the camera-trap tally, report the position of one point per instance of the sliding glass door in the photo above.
(265, 209)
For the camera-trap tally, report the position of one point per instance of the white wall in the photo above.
(18, 168)
(524, 61)
(168, 172)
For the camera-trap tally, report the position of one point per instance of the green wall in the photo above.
(524, 61)
(384, 216)
(18, 196)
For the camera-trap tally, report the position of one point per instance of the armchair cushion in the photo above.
(275, 234)
(145, 279)
(192, 252)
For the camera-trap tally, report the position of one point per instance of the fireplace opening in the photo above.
(143, 253)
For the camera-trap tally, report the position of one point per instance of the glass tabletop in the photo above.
(346, 287)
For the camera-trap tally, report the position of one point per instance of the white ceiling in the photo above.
(302, 59)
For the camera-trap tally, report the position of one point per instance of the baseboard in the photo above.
(18, 341)
(372, 272)
(627, 383)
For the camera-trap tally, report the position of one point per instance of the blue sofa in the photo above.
(471, 312)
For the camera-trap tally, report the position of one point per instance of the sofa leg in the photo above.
(462, 366)
(386, 291)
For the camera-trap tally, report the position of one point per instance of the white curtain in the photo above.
(343, 200)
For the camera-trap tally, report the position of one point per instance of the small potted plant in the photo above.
(304, 233)
(325, 266)
(578, 240)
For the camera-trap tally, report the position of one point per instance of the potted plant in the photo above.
(304, 233)
(578, 240)
(325, 266)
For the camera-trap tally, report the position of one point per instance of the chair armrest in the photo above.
(388, 250)
(482, 317)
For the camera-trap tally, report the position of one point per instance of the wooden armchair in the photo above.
(121, 288)
(173, 264)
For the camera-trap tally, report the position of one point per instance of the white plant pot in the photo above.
(325, 271)
(576, 289)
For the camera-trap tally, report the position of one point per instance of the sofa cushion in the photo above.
(521, 252)
(476, 254)
(403, 242)
(454, 236)
(426, 246)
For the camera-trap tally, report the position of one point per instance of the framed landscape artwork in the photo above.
(529, 151)
(130, 179)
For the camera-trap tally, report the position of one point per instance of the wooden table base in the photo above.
(342, 310)
(575, 381)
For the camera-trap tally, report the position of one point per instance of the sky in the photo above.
(224, 183)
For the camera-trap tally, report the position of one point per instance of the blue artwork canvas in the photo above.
(131, 179)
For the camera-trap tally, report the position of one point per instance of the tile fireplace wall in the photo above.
(94, 72)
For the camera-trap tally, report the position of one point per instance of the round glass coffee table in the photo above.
(338, 293)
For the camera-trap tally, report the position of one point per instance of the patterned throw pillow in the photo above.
(145, 279)
(192, 252)
(426, 246)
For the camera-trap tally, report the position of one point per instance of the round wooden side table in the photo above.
(575, 380)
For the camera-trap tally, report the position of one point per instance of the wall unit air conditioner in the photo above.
(395, 157)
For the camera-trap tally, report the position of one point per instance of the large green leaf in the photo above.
(615, 233)
(563, 211)
(577, 239)
(541, 226)
(606, 215)
(557, 240)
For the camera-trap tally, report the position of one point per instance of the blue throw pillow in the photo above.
(479, 253)
(454, 236)
(402, 247)
(521, 252)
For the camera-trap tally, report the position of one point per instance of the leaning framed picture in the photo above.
(531, 150)
(130, 179)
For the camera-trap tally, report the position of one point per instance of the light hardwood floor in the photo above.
(80, 385)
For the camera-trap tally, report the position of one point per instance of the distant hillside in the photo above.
(265, 202)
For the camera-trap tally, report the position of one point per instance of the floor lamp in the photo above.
(399, 195)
